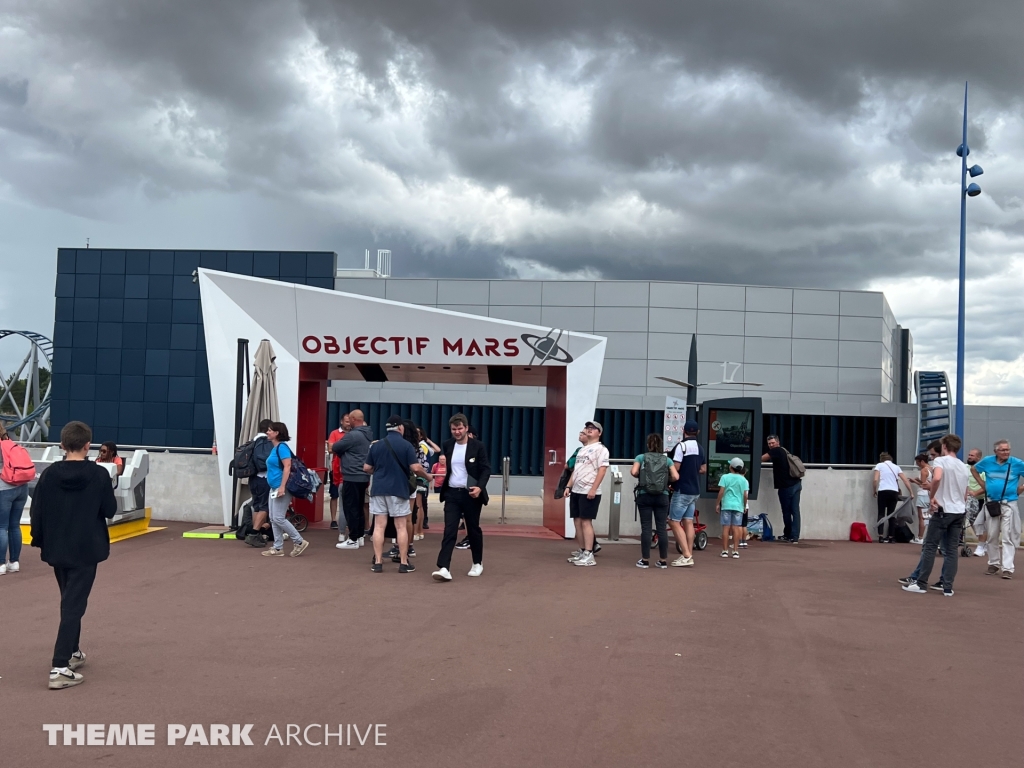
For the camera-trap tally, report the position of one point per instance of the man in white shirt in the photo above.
(592, 462)
(947, 491)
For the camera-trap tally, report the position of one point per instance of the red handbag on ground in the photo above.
(859, 532)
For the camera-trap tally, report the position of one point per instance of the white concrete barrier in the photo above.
(831, 500)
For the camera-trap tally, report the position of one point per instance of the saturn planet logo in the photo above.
(546, 349)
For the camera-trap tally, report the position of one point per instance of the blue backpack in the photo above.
(302, 482)
(766, 528)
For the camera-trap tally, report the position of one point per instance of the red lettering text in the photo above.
(398, 343)
(474, 349)
(491, 347)
(359, 345)
(311, 344)
(511, 349)
(373, 345)
(348, 345)
(448, 346)
(331, 345)
(421, 344)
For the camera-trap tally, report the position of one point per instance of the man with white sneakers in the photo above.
(592, 462)
(947, 490)
(464, 493)
(352, 450)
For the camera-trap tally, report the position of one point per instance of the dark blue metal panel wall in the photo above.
(834, 439)
(129, 354)
(516, 432)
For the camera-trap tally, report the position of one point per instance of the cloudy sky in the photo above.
(799, 143)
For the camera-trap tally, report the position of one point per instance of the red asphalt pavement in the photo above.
(790, 656)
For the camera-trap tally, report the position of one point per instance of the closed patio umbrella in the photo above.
(262, 402)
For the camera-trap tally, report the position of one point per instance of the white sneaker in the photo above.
(443, 574)
(13, 567)
(585, 559)
(682, 561)
(980, 550)
(476, 570)
(347, 544)
(917, 540)
(285, 536)
(576, 553)
(64, 678)
(76, 661)
(342, 538)
(3, 568)
(914, 587)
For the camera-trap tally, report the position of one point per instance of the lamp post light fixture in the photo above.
(966, 190)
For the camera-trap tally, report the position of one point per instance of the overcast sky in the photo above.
(800, 143)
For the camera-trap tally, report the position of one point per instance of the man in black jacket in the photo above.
(789, 488)
(464, 492)
(72, 502)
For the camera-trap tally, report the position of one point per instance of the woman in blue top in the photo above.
(654, 505)
(279, 466)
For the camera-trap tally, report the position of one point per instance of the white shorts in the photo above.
(392, 506)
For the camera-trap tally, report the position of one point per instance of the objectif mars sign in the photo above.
(527, 348)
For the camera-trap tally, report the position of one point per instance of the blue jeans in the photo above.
(12, 502)
(789, 499)
(943, 531)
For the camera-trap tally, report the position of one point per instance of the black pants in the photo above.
(75, 585)
(458, 504)
(887, 501)
(352, 494)
(656, 506)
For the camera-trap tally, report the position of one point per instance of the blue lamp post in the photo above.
(966, 190)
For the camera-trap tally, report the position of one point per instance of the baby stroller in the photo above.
(700, 535)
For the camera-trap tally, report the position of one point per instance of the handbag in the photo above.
(995, 508)
(411, 477)
(899, 494)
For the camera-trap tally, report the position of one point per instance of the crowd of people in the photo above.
(74, 499)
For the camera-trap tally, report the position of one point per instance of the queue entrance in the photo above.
(322, 336)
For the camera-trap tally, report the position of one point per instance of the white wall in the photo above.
(830, 501)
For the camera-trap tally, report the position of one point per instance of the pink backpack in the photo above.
(18, 467)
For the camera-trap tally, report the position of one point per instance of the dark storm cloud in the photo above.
(784, 143)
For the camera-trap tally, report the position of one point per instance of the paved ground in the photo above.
(806, 656)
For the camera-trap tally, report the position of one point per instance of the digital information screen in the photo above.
(730, 434)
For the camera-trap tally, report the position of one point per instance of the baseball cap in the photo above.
(736, 462)
(596, 425)
(690, 427)
(393, 421)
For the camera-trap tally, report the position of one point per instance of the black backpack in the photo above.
(653, 477)
(244, 463)
(261, 452)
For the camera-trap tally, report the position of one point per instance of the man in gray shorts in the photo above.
(389, 461)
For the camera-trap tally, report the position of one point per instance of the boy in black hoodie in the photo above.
(72, 502)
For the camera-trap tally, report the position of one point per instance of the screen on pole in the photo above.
(730, 434)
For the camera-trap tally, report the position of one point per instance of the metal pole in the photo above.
(242, 364)
(615, 508)
(959, 425)
(505, 464)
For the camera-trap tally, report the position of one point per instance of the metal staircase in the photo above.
(934, 406)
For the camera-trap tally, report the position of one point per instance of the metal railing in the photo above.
(124, 447)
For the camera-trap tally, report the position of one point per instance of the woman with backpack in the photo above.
(654, 472)
(16, 470)
(279, 466)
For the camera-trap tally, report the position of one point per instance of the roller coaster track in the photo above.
(32, 425)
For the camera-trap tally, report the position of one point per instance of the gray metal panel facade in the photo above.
(805, 345)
